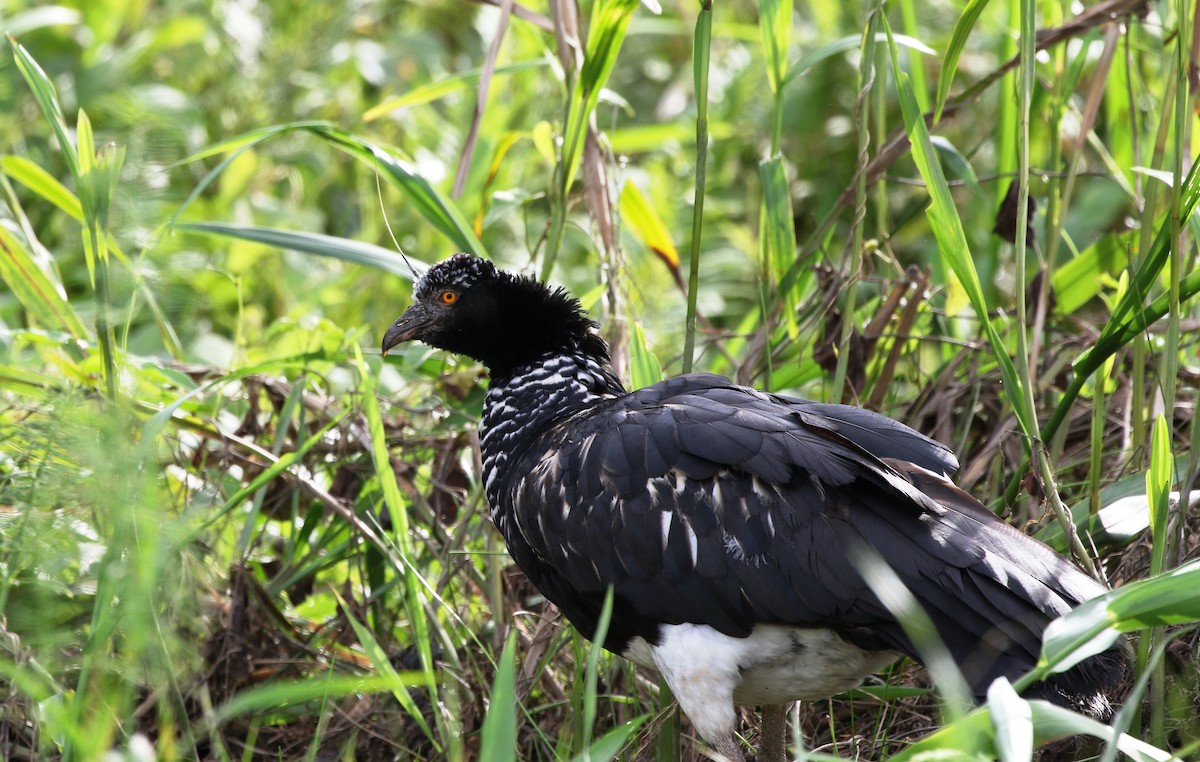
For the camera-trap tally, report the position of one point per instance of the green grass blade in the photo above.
(644, 222)
(701, 53)
(952, 241)
(1170, 598)
(845, 45)
(435, 90)
(42, 295)
(284, 463)
(606, 33)
(644, 368)
(1158, 490)
(397, 508)
(779, 238)
(18, 24)
(500, 723)
(251, 138)
(1013, 720)
(1151, 266)
(775, 22)
(438, 209)
(397, 683)
(591, 675)
(607, 746)
(234, 147)
(1079, 280)
(276, 695)
(903, 605)
(42, 183)
(345, 249)
(1122, 518)
(1167, 599)
(47, 100)
(958, 42)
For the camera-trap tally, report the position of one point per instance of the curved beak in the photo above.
(407, 327)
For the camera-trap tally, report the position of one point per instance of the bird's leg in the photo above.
(772, 746)
(728, 749)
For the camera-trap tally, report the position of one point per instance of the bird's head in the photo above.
(466, 306)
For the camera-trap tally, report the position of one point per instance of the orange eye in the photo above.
(448, 297)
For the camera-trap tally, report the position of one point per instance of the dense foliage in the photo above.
(230, 529)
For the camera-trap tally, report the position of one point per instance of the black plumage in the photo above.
(727, 518)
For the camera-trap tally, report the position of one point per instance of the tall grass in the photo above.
(229, 530)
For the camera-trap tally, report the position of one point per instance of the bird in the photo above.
(727, 520)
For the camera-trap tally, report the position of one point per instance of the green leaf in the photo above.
(433, 205)
(37, 291)
(847, 44)
(1158, 489)
(1151, 266)
(917, 626)
(439, 210)
(279, 694)
(775, 22)
(958, 164)
(609, 745)
(958, 41)
(1082, 633)
(644, 368)
(1013, 720)
(18, 24)
(1124, 516)
(99, 172)
(1077, 281)
(591, 675)
(779, 238)
(357, 252)
(235, 147)
(644, 222)
(85, 143)
(251, 138)
(47, 100)
(443, 87)
(973, 738)
(1169, 598)
(43, 184)
(606, 32)
(643, 138)
(1165, 599)
(500, 723)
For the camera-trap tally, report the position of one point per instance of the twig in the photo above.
(485, 84)
(523, 13)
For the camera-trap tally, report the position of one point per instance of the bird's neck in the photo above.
(523, 405)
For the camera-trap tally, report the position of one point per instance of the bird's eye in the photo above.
(448, 297)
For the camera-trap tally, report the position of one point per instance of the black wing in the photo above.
(703, 502)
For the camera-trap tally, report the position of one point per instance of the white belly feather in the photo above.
(776, 664)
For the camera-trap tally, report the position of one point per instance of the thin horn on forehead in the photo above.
(459, 271)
